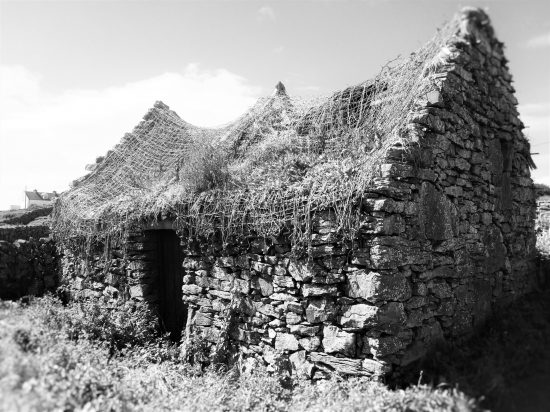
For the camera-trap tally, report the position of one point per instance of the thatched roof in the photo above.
(270, 168)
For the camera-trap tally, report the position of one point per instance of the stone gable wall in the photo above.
(476, 199)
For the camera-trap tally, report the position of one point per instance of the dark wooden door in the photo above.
(170, 256)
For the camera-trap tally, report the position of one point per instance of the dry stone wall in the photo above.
(11, 233)
(475, 198)
(28, 260)
(27, 267)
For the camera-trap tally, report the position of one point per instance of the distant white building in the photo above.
(15, 207)
(39, 199)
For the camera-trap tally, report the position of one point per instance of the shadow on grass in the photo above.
(507, 364)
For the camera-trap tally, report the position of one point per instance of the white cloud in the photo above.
(536, 117)
(539, 41)
(278, 49)
(266, 13)
(47, 139)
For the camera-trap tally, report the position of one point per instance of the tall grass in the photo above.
(54, 358)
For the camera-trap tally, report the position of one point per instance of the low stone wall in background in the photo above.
(11, 233)
(28, 261)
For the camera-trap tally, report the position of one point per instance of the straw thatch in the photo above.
(269, 170)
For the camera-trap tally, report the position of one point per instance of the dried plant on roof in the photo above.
(270, 170)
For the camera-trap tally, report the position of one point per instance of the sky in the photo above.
(76, 75)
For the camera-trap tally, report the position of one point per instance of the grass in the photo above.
(54, 358)
(82, 357)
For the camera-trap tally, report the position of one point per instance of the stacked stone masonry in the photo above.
(447, 236)
(27, 267)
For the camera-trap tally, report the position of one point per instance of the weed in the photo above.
(73, 370)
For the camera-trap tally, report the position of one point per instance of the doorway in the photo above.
(172, 310)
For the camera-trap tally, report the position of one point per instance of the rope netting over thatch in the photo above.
(272, 168)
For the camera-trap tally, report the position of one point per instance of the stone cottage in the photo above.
(350, 233)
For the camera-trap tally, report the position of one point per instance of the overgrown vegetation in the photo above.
(268, 171)
(84, 356)
(53, 358)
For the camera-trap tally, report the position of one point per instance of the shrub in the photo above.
(205, 168)
(72, 370)
(26, 340)
(120, 326)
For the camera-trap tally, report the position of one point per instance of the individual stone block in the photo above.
(112, 279)
(416, 302)
(330, 278)
(390, 252)
(321, 251)
(267, 309)
(242, 262)
(283, 281)
(397, 170)
(440, 289)
(292, 318)
(345, 366)
(202, 319)
(110, 292)
(264, 285)
(224, 285)
(280, 271)
(375, 368)
(437, 215)
(302, 368)
(495, 249)
(332, 262)
(225, 262)
(310, 343)
(272, 260)
(374, 286)
(191, 263)
(220, 294)
(221, 273)
(293, 307)
(359, 316)
(392, 314)
(242, 286)
(262, 268)
(319, 310)
(284, 297)
(318, 290)
(305, 330)
(304, 272)
(286, 342)
(439, 272)
(386, 205)
(382, 346)
(361, 257)
(137, 291)
(335, 340)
